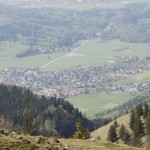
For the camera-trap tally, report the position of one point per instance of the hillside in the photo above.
(46, 116)
(129, 105)
(43, 32)
(103, 131)
(131, 129)
(13, 141)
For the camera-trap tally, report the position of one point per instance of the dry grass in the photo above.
(11, 142)
(103, 131)
(94, 145)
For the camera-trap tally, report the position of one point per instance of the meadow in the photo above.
(28, 142)
(96, 52)
(145, 76)
(91, 104)
(8, 57)
(93, 52)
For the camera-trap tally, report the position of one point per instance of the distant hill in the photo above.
(51, 1)
(47, 116)
(58, 29)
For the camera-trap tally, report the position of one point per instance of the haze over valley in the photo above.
(68, 63)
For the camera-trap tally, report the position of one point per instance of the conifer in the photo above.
(124, 134)
(148, 132)
(145, 112)
(122, 131)
(27, 117)
(116, 124)
(132, 119)
(81, 132)
(112, 134)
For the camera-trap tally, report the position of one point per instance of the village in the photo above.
(81, 79)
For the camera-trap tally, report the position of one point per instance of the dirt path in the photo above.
(76, 49)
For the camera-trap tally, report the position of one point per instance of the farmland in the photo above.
(8, 57)
(137, 78)
(93, 103)
(94, 52)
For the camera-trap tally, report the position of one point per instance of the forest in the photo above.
(58, 29)
(51, 116)
(36, 115)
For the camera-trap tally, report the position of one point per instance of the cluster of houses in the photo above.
(81, 79)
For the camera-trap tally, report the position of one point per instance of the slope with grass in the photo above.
(23, 142)
(103, 131)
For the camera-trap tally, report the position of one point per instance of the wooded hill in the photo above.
(57, 29)
(132, 129)
(39, 115)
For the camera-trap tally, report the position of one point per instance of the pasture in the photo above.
(137, 78)
(91, 104)
(93, 52)
(8, 57)
(96, 52)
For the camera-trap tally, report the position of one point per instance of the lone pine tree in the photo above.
(81, 132)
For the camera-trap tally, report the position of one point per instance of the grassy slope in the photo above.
(103, 131)
(95, 145)
(91, 104)
(11, 143)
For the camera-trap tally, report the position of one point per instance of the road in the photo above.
(76, 49)
(1, 80)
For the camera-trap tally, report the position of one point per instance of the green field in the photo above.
(94, 103)
(93, 52)
(137, 78)
(8, 57)
(96, 52)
